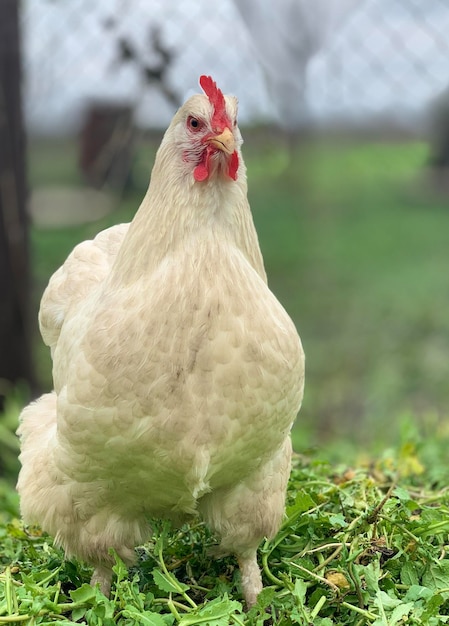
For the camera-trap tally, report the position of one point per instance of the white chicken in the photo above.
(177, 373)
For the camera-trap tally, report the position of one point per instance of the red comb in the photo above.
(216, 98)
(220, 121)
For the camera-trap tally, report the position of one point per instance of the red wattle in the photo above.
(201, 171)
(233, 165)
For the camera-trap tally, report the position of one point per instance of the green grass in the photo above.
(355, 246)
(358, 546)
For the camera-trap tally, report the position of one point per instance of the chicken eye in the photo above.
(193, 123)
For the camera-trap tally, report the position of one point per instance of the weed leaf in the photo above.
(168, 582)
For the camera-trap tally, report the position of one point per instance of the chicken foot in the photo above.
(249, 571)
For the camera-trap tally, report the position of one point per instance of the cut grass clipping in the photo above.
(364, 546)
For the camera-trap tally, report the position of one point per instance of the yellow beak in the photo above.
(225, 141)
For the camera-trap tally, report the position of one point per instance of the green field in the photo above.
(355, 242)
(356, 248)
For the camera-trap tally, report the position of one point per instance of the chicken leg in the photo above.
(103, 577)
(250, 577)
(244, 514)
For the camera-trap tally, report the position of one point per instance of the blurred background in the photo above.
(344, 108)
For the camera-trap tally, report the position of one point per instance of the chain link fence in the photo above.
(297, 61)
(387, 58)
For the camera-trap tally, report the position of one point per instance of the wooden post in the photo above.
(15, 353)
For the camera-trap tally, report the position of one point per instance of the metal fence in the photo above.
(387, 57)
(294, 60)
